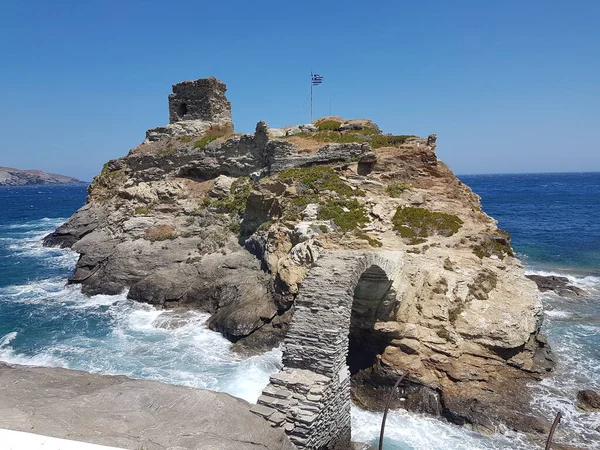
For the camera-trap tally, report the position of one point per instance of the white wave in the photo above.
(578, 428)
(31, 246)
(557, 314)
(253, 376)
(7, 338)
(405, 430)
(113, 335)
(45, 222)
(8, 355)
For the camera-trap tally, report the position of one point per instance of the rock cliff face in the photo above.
(232, 224)
(17, 177)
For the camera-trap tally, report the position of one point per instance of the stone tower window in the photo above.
(182, 110)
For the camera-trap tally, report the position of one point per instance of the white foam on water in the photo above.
(8, 355)
(7, 339)
(410, 431)
(573, 328)
(131, 342)
(557, 314)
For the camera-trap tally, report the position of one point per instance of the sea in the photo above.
(554, 220)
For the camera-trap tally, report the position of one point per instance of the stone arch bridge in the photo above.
(310, 396)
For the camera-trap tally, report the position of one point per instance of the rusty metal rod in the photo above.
(552, 430)
(387, 407)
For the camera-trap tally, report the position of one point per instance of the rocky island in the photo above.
(360, 251)
(17, 177)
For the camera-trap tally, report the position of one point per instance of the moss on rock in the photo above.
(348, 214)
(418, 223)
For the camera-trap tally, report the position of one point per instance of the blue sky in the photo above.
(508, 86)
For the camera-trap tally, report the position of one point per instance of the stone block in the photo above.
(262, 410)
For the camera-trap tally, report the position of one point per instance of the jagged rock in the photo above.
(292, 130)
(311, 212)
(559, 285)
(222, 186)
(588, 400)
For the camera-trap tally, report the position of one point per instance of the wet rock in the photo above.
(174, 320)
(424, 400)
(588, 400)
(559, 285)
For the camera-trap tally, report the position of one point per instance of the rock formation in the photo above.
(199, 217)
(589, 400)
(17, 177)
(559, 285)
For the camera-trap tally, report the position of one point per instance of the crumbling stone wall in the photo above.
(255, 155)
(310, 397)
(202, 99)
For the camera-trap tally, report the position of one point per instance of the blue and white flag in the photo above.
(316, 79)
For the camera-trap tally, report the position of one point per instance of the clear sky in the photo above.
(508, 86)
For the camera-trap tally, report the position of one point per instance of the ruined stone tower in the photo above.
(195, 108)
(203, 99)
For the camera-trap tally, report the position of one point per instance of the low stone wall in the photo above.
(246, 155)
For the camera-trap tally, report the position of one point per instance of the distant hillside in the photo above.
(17, 177)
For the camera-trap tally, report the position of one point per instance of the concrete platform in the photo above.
(17, 440)
(120, 412)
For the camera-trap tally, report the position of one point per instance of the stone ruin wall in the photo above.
(310, 396)
(202, 99)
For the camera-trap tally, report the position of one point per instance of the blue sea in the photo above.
(555, 223)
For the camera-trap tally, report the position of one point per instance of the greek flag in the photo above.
(316, 79)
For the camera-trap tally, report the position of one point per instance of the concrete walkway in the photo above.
(17, 440)
(119, 412)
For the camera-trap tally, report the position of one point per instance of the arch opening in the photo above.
(374, 300)
(182, 110)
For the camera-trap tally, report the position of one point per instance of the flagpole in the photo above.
(311, 97)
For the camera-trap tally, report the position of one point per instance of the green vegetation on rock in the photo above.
(497, 244)
(169, 150)
(396, 189)
(235, 202)
(327, 134)
(317, 179)
(106, 184)
(348, 214)
(365, 236)
(418, 223)
(329, 125)
(204, 141)
(141, 211)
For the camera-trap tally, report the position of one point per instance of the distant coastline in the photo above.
(17, 177)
